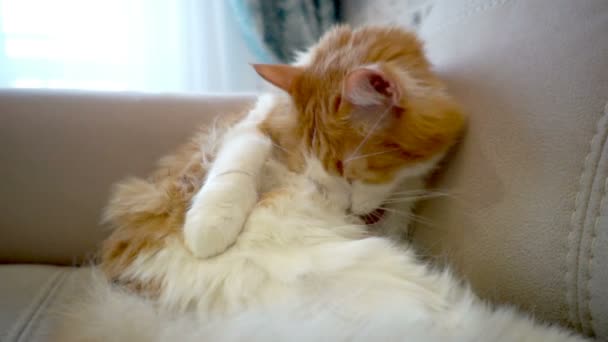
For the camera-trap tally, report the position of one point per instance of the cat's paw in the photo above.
(214, 222)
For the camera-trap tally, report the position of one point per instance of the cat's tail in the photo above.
(133, 200)
(139, 214)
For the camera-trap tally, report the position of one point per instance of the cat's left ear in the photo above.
(371, 86)
(281, 75)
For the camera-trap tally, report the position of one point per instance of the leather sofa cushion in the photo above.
(526, 224)
(32, 296)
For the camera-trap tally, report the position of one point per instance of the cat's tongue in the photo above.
(373, 217)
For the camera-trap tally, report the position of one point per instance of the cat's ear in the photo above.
(281, 75)
(371, 86)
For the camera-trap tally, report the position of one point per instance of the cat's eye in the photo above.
(337, 102)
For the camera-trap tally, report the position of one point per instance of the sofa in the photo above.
(525, 220)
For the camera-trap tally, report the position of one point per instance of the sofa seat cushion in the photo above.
(31, 295)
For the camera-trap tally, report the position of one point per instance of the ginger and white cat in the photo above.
(273, 245)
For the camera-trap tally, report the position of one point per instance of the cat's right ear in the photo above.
(371, 86)
(281, 75)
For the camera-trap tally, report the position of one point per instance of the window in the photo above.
(138, 45)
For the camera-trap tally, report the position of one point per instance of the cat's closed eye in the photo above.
(340, 167)
(337, 102)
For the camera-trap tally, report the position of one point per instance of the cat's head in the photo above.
(366, 105)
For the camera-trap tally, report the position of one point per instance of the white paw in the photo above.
(215, 221)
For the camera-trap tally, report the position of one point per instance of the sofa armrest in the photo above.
(61, 151)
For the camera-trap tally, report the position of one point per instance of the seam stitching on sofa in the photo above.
(591, 253)
(575, 297)
(17, 328)
(594, 235)
(468, 14)
(571, 300)
(51, 289)
(573, 244)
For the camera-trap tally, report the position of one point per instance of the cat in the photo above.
(325, 118)
(273, 244)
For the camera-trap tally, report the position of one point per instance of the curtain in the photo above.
(142, 45)
(275, 29)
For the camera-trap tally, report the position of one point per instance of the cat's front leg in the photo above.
(220, 209)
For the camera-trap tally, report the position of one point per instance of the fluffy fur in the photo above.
(273, 245)
(109, 314)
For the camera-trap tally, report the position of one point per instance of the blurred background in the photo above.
(169, 45)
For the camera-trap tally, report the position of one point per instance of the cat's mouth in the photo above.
(373, 217)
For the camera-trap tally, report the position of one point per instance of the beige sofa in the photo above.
(526, 223)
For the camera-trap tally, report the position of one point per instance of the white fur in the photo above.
(300, 270)
(110, 315)
(221, 207)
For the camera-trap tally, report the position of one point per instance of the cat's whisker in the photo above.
(416, 195)
(375, 215)
(421, 195)
(401, 200)
(425, 191)
(345, 226)
(367, 136)
(411, 216)
(414, 198)
(282, 148)
(417, 191)
(396, 211)
(350, 159)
